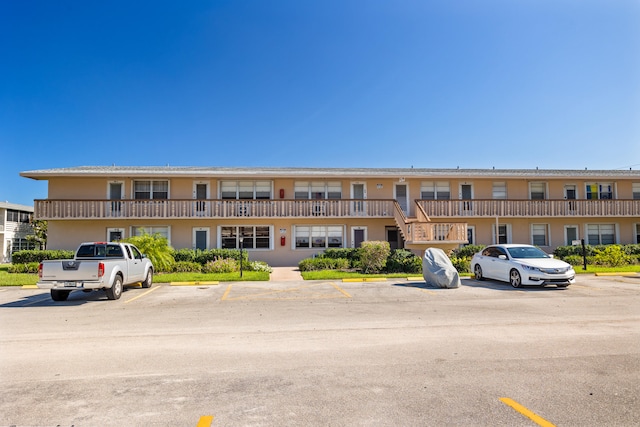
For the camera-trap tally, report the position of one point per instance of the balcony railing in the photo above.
(49, 209)
(530, 208)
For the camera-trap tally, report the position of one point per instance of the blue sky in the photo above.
(553, 84)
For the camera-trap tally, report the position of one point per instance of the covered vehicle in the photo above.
(521, 265)
(438, 270)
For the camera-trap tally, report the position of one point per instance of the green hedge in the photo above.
(202, 257)
(31, 267)
(25, 257)
(319, 263)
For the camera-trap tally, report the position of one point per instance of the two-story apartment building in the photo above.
(15, 226)
(283, 215)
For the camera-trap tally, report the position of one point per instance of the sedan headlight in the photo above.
(526, 267)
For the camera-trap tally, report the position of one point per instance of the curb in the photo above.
(627, 274)
(194, 283)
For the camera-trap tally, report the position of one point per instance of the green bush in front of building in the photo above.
(37, 255)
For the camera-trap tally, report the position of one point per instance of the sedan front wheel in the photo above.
(514, 278)
(477, 272)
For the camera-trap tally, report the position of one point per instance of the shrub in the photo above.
(315, 264)
(403, 261)
(156, 248)
(631, 249)
(373, 256)
(24, 257)
(350, 254)
(31, 267)
(467, 251)
(462, 264)
(611, 256)
(259, 266)
(574, 260)
(184, 255)
(221, 265)
(204, 256)
(186, 267)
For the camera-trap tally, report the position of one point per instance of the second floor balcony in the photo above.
(186, 209)
(530, 208)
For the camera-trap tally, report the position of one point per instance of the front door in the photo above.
(394, 238)
(402, 197)
(201, 191)
(201, 238)
(115, 194)
(358, 193)
(466, 194)
(570, 193)
(359, 235)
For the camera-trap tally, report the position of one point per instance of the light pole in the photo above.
(241, 246)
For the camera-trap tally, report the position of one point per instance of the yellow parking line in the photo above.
(527, 413)
(142, 294)
(226, 293)
(205, 421)
(342, 291)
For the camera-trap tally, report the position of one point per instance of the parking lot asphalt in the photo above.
(395, 352)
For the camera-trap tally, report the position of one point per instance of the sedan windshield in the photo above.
(526, 252)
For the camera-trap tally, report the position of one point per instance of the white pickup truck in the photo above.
(97, 265)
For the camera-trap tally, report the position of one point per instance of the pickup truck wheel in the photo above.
(149, 279)
(115, 290)
(58, 295)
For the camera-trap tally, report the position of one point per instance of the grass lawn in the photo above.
(15, 279)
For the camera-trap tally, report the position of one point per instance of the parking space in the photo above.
(324, 352)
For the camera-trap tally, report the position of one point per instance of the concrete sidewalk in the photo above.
(284, 274)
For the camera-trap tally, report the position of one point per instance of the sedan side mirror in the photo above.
(502, 256)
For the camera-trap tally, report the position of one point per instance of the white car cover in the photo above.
(438, 270)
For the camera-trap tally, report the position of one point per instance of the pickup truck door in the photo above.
(136, 264)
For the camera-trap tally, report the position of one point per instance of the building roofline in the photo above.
(299, 172)
(16, 207)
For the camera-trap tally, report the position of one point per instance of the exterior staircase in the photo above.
(420, 232)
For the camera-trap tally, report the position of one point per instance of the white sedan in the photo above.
(521, 265)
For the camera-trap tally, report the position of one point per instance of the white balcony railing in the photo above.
(106, 209)
(530, 208)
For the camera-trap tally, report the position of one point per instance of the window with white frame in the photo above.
(570, 234)
(115, 234)
(142, 230)
(246, 190)
(601, 234)
(471, 235)
(253, 236)
(435, 190)
(538, 190)
(540, 234)
(21, 244)
(635, 190)
(638, 233)
(500, 190)
(599, 190)
(319, 236)
(149, 190)
(315, 190)
(17, 216)
(504, 233)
